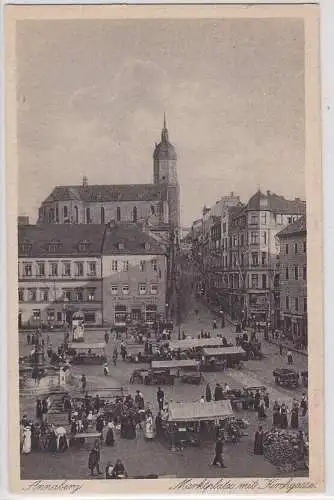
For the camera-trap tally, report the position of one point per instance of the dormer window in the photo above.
(84, 246)
(54, 246)
(121, 246)
(147, 245)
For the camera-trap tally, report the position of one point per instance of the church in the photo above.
(156, 205)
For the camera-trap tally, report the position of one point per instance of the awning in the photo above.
(193, 343)
(181, 412)
(84, 347)
(175, 363)
(223, 351)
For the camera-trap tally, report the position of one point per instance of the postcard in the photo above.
(164, 213)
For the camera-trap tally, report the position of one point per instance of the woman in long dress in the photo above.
(294, 416)
(149, 430)
(258, 442)
(276, 415)
(26, 447)
(284, 416)
(110, 439)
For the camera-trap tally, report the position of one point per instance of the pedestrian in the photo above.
(261, 411)
(303, 405)
(109, 471)
(294, 422)
(115, 356)
(258, 442)
(219, 459)
(276, 415)
(106, 337)
(208, 395)
(214, 325)
(202, 400)
(28, 339)
(266, 399)
(106, 369)
(284, 416)
(94, 461)
(289, 356)
(160, 398)
(281, 350)
(218, 394)
(83, 382)
(39, 410)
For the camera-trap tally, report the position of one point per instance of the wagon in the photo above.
(90, 354)
(220, 358)
(286, 377)
(159, 377)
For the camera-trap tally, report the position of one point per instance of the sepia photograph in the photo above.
(165, 194)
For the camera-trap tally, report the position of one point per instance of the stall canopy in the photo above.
(182, 412)
(86, 347)
(175, 363)
(223, 351)
(193, 343)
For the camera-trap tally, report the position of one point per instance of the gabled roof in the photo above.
(129, 239)
(60, 240)
(107, 193)
(297, 227)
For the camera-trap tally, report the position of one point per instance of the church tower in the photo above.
(165, 172)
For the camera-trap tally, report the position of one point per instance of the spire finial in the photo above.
(164, 132)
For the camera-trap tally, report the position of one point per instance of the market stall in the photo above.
(219, 358)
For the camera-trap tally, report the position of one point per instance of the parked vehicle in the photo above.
(90, 354)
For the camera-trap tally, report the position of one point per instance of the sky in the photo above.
(91, 96)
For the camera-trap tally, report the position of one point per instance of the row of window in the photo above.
(300, 304)
(297, 273)
(117, 265)
(295, 247)
(143, 289)
(53, 214)
(68, 295)
(65, 269)
(51, 316)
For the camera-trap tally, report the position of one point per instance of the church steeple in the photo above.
(164, 132)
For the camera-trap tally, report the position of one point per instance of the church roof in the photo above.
(107, 193)
(164, 150)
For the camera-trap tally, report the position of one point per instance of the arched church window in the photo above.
(118, 214)
(134, 214)
(102, 215)
(76, 215)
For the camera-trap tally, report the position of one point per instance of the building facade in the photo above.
(110, 273)
(156, 203)
(293, 281)
(134, 269)
(59, 273)
(252, 276)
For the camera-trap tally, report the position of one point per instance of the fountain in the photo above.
(37, 375)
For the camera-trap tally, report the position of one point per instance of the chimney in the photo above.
(23, 220)
(232, 194)
(84, 181)
(268, 193)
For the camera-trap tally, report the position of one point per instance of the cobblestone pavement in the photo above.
(142, 457)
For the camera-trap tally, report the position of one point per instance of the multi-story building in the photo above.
(134, 269)
(110, 273)
(253, 249)
(59, 273)
(156, 203)
(293, 280)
